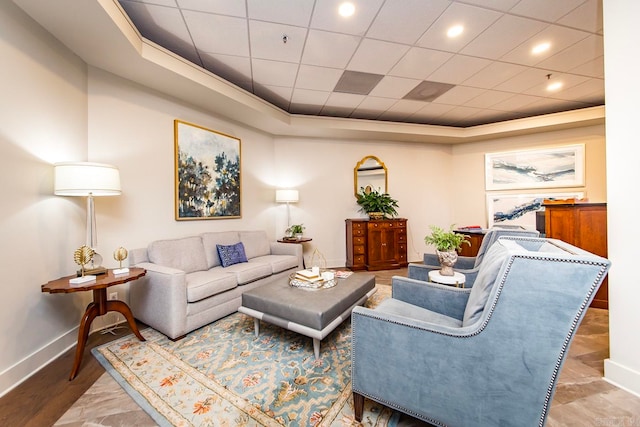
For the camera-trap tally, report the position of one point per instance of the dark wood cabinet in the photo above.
(475, 238)
(376, 244)
(583, 225)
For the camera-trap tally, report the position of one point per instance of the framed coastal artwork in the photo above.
(520, 209)
(544, 168)
(207, 173)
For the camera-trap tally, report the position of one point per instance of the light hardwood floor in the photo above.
(582, 397)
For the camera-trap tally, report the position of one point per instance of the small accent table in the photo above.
(296, 240)
(99, 306)
(456, 280)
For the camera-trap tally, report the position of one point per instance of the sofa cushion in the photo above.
(211, 239)
(484, 282)
(278, 262)
(205, 284)
(186, 254)
(256, 243)
(231, 254)
(248, 272)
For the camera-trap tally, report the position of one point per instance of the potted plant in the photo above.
(296, 231)
(376, 204)
(446, 243)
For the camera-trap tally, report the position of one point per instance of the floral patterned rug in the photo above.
(223, 375)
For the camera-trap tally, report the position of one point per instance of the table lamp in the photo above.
(90, 180)
(287, 196)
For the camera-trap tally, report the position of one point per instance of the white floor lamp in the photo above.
(287, 196)
(90, 180)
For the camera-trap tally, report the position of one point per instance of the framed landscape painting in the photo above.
(545, 168)
(207, 172)
(520, 209)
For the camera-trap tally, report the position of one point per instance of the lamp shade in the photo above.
(84, 178)
(286, 196)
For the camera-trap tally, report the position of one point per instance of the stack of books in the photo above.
(308, 276)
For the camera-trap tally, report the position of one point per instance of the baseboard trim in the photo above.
(622, 376)
(16, 374)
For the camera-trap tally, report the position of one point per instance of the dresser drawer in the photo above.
(358, 250)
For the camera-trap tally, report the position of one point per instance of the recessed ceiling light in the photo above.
(346, 9)
(455, 31)
(554, 86)
(539, 48)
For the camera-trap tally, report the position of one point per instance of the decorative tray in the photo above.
(304, 284)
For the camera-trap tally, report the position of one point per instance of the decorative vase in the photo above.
(447, 261)
(299, 236)
(376, 215)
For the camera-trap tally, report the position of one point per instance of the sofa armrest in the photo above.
(278, 248)
(159, 299)
(443, 299)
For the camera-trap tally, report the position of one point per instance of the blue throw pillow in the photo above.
(231, 254)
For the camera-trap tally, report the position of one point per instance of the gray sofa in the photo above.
(186, 286)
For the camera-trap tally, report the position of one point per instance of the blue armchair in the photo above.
(485, 356)
(468, 266)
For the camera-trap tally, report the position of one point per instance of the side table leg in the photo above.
(83, 334)
(123, 308)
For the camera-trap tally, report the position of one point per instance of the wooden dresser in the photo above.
(376, 244)
(583, 225)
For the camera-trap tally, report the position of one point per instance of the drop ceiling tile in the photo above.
(494, 74)
(516, 102)
(523, 81)
(325, 16)
(170, 3)
(290, 12)
(406, 106)
(544, 105)
(488, 99)
(502, 5)
(306, 109)
(365, 114)
(568, 81)
(404, 21)
(376, 103)
(217, 33)
(344, 100)
(474, 19)
(236, 69)
(374, 56)
(546, 11)
(593, 68)
(431, 111)
(501, 37)
(317, 78)
(279, 96)
(580, 53)
(559, 37)
(458, 95)
(164, 26)
(458, 69)
(418, 63)
(332, 111)
(592, 90)
(266, 41)
(587, 17)
(459, 113)
(310, 97)
(273, 73)
(341, 46)
(222, 7)
(394, 87)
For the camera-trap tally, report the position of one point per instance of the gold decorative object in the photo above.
(82, 256)
(120, 255)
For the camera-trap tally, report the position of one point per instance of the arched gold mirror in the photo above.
(370, 171)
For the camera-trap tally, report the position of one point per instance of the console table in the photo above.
(376, 244)
(99, 306)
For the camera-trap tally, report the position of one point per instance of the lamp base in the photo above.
(96, 271)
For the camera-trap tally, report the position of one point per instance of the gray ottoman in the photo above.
(313, 313)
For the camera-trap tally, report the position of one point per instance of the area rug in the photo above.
(223, 375)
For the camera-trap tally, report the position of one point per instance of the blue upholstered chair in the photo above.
(485, 356)
(469, 266)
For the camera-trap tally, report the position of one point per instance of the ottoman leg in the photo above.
(316, 348)
(256, 326)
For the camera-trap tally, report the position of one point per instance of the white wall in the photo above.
(44, 120)
(622, 92)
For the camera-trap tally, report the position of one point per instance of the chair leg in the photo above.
(358, 405)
